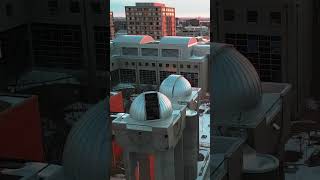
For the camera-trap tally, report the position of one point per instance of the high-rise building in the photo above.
(275, 35)
(55, 35)
(112, 30)
(153, 19)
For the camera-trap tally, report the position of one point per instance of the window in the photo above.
(130, 51)
(52, 7)
(188, 66)
(112, 64)
(164, 74)
(96, 7)
(174, 65)
(170, 53)
(196, 66)
(153, 64)
(275, 18)
(181, 66)
(229, 15)
(147, 64)
(114, 77)
(160, 65)
(252, 16)
(9, 10)
(167, 65)
(149, 52)
(148, 77)
(74, 6)
(133, 63)
(140, 64)
(127, 75)
(127, 63)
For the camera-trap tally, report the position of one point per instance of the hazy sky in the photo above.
(184, 8)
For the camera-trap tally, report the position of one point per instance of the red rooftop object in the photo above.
(116, 103)
(20, 128)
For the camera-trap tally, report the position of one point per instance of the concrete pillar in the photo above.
(130, 164)
(164, 165)
(191, 145)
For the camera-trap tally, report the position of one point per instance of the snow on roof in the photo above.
(133, 39)
(178, 40)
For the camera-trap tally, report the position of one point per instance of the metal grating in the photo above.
(127, 75)
(148, 77)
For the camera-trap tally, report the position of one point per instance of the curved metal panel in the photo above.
(235, 83)
(138, 107)
(87, 153)
(176, 86)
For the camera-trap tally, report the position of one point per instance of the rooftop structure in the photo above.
(139, 105)
(237, 86)
(243, 107)
(153, 128)
(141, 60)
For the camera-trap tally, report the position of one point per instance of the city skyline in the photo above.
(203, 10)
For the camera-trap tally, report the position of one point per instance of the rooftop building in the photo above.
(139, 59)
(153, 19)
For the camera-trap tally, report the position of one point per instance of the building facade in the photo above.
(112, 27)
(193, 31)
(193, 22)
(276, 36)
(120, 24)
(142, 60)
(153, 19)
(55, 35)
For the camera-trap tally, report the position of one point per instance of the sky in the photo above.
(184, 8)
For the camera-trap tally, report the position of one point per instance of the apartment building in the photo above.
(153, 19)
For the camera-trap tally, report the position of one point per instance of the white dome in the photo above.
(138, 107)
(175, 86)
(87, 153)
(235, 83)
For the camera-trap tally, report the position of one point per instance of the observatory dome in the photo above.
(159, 106)
(87, 153)
(175, 86)
(235, 83)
